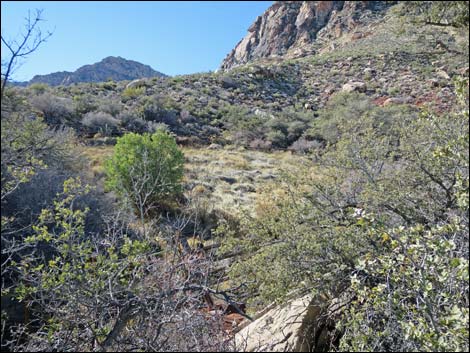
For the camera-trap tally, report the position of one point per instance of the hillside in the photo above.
(110, 68)
(310, 195)
(392, 65)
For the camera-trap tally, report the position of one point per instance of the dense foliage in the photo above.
(146, 169)
(382, 225)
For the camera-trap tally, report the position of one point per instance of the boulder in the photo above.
(357, 35)
(228, 82)
(442, 74)
(277, 330)
(369, 71)
(298, 326)
(354, 86)
(214, 146)
(136, 83)
(397, 100)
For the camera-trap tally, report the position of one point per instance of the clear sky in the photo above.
(173, 37)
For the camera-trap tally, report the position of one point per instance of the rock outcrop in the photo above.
(289, 28)
(302, 325)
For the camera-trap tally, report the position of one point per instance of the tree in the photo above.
(28, 43)
(145, 169)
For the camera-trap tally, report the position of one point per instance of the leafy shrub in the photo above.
(109, 85)
(145, 169)
(101, 122)
(39, 88)
(417, 300)
(295, 130)
(84, 103)
(277, 138)
(132, 93)
(341, 107)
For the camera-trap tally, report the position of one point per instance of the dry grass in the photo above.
(227, 179)
(96, 155)
(230, 178)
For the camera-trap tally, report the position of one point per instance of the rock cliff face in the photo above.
(289, 28)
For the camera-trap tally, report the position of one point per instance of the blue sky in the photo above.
(174, 37)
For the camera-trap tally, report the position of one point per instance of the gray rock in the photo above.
(228, 82)
(214, 146)
(442, 74)
(136, 83)
(354, 86)
(397, 100)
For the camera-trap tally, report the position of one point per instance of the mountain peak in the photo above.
(112, 67)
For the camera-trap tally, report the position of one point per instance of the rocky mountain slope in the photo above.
(274, 100)
(298, 28)
(115, 68)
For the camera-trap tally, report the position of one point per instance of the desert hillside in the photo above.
(309, 195)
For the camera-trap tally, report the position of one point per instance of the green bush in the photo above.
(39, 88)
(132, 93)
(145, 169)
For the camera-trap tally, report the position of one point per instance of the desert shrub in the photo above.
(109, 85)
(295, 129)
(112, 107)
(101, 122)
(443, 13)
(56, 110)
(145, 169)
(156, 113)
(243, 124)
(345, 108)
(186, 117)
(133, 123)
(209, 132)
(84, 103)
(114, 282)
(30, 198)
(260, 144)
(277, 138)
(29, 145)
(383, 227)
(413, 296)
(277, 124)
(302, 145)
(39, 88)
(132, 93)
